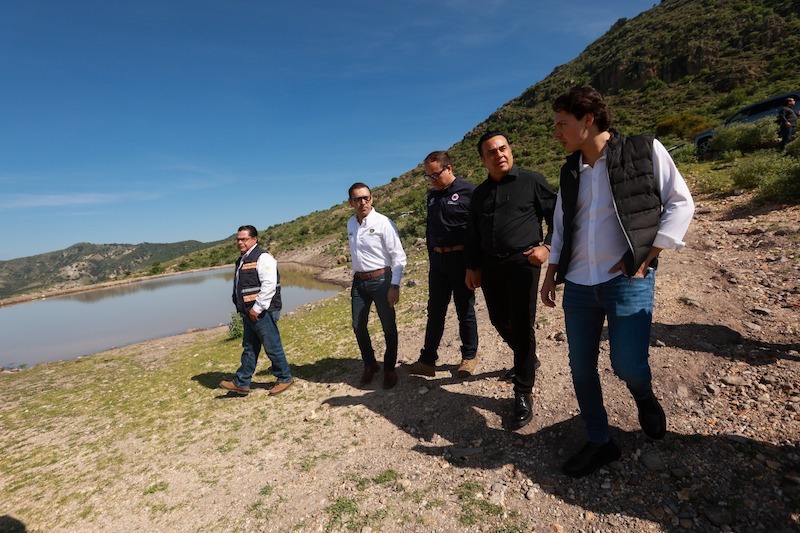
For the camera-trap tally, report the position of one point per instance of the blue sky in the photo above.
(161, 121)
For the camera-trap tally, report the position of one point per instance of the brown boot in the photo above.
(467, 367)
(421, 369)
(233, 387)
(369, 372)
(280, 387)
(389, 379)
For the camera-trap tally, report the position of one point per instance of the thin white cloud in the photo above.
(34, 201)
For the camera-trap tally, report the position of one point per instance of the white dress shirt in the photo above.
(598, 240)
(375, 244)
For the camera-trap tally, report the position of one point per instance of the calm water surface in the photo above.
(69, 326)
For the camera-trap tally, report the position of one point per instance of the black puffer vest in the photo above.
(249, 285)
(636, 198)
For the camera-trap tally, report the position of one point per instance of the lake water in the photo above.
(69, 326)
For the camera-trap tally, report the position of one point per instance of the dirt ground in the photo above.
(436, 454)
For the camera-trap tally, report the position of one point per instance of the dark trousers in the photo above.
(786, 135)
(445, 279)
(363, 293)
(510, 286)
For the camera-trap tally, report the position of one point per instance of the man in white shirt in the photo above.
(621, 201)
(378, 260)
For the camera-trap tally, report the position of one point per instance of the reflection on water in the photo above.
(116, 291)
(66, 327)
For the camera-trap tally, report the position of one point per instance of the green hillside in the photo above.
(675, 70)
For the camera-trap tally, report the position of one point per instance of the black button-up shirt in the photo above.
(506, 216)
(448, 211)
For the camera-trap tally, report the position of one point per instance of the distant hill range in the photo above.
(87, 264)
(675, 70)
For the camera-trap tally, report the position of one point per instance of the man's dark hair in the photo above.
(357, 185)
(251, 230)
(488, 135)
(585, 99)
(440, 156)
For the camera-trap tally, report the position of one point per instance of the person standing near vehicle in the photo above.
(621, 201)
(257, 297)
(787, 122)
(448, 211)
(504, 251)
(378, 262)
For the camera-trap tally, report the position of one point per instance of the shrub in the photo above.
(761, 169)
(684, 125)
(793, 148)
(745, 137)
(782, 186)
(235, 326)
(684, 154)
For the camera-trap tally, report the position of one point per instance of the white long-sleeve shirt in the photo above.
(375, 244)
(267, 268)
(598, 240)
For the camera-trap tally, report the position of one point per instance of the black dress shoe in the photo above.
(523, 413)
(590, 458)
(652, 418)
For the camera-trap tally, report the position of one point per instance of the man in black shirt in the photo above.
(448, 210)
(504, 251)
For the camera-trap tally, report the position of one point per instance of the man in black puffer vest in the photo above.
(621, 201)
(257, 297)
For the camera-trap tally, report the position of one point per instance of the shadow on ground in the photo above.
(696, 481)
(722, 341)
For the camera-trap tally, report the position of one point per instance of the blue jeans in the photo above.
(363, 293)
(263, 332)
(445, 278)
(628, 305)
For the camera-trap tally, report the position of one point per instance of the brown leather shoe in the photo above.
(233, 387)
(369, 372)
(280, 387)
(389, 379)
(467, 367)
(421, 369)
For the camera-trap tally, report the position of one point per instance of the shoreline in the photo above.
(319, 274)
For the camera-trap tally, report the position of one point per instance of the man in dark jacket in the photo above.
(448, 210)
(621, 201)
(505, 249)
(257, 297)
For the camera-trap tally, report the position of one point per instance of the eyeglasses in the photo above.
(435, 175)
(360, 199)
(238, 239)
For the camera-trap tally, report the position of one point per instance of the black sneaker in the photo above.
(591, 457)
(652, 418)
